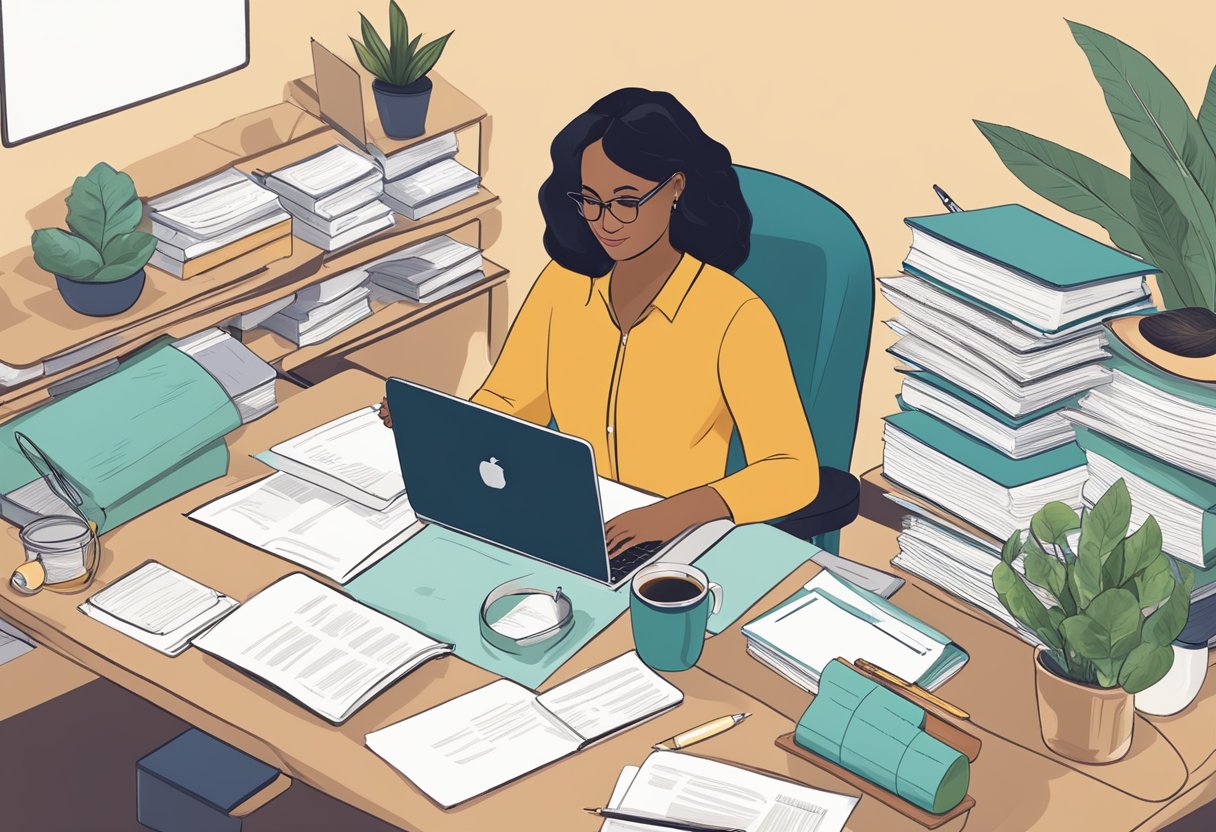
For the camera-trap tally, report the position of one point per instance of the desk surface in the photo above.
(1015, 788)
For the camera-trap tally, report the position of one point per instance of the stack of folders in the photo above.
(334, 196)
(1157, 432)
(215, 221)
(428, 271)
(246, 378)
(336, 504)
(1000, 319)
(317, 313)
(158, 607)
(845, 620)
(425, 177)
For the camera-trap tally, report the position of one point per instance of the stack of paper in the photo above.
(318, 312)
(214, 221)
(485, 739)
(246, 378)
(426, 177)
(318, 646)
(159, 607)
(334, 196)
(428, 271)
(831, 618)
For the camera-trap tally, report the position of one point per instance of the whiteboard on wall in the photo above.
(63, 62)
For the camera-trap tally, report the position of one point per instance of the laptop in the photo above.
(521, 486)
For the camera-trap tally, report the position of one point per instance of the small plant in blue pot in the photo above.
(402, 90)
(99, 263)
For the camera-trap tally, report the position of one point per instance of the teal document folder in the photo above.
(857, 723)
(952, 389)
(1031, 245)
(436, 582)
(146, 434)
(982, 458)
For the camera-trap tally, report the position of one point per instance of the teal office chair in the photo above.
(811, 266)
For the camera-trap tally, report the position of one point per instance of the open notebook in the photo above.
(320, 647)
(498, 733)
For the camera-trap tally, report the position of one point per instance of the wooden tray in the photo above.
(926, 819)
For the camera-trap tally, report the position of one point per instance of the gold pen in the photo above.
(700, 733)
(915, 690)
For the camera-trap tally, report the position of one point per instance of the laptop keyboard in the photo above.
(632, 559)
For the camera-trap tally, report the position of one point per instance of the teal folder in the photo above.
(982, 458)
(1197, 491)
(952, 389)
(864, 727)
(149, 432)
(1032, 245)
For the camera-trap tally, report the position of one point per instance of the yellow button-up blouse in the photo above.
(658, 405)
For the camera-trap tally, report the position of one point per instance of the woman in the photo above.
(637, 338)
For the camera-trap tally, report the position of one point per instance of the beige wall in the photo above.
(868, 102)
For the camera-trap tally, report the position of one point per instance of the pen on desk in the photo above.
(950, 204)
(649, 819)
(916, 690)
(701, 732)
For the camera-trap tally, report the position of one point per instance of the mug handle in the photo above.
(716, 591)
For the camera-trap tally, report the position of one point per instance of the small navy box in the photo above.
(193, 782)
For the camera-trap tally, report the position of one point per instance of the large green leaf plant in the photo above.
(1118, 601)
(399, 62)
(1164, 211)
(102, 244)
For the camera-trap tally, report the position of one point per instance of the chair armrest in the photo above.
(833, 508)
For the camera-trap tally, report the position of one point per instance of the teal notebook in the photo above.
(952, 389)
(1197, 491)
(149, 432)
(857, 723)
(1032, 245)
(982, 458)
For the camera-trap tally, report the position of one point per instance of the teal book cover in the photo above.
(982, 458)
(1032, 245)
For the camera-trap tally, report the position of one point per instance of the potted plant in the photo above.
(99, 263)
(1118, 605)
(401, 88)
(1165, 211)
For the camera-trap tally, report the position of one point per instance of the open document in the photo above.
(485, 739)
(310, 525)
(687, 788)
(158, 607)
(354, 455)
(320, 647)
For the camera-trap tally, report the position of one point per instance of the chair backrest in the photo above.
(811, 266)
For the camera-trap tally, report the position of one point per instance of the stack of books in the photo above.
(215, 221)
(335, 197)
(246, 378)
(428, 271)
(1000, 319)
(322, 310)
(425, 177)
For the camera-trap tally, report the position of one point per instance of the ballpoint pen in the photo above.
(950, 204)
(701, 732)
(649, 819)
(914, 689)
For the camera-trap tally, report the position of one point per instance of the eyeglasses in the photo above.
(624, 208)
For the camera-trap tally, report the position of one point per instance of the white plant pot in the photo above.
(1179, 687)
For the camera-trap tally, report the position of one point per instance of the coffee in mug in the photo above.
(670, 605)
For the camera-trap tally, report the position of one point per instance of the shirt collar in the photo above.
(670, 297)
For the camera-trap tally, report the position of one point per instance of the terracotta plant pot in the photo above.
(1082, 722)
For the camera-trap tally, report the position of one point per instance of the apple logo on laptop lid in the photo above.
(492, 473)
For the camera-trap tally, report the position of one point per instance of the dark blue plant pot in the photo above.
(101, 299)
(403, 109)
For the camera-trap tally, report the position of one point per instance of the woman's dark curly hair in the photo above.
(651, 135)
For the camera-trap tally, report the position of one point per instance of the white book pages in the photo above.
(236, 367)
(354, 455)
(220, 211)
(368, 212)
(181, 246)
(321, 332)
(415, 157)
(311, 314)
(685, 787)
(326, 242)
(425, 209)
(431, 182)
(310, 525)
(419, 263)
(319, 646)
(254, 317)
(330, 289)
(197, 190)
(326, 172)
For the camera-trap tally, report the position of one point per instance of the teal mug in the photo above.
(670, 606)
